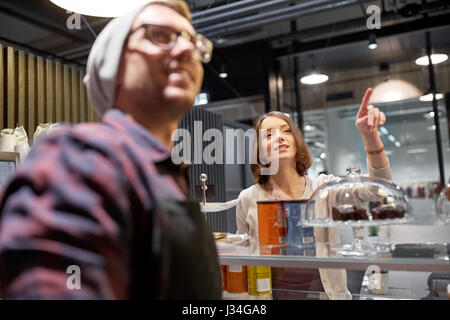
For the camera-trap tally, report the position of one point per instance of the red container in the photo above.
(272, 226)
(236, 279)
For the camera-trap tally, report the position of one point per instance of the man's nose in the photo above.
(183, 48)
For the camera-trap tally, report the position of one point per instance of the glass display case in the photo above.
(426, 265)
(358, 201)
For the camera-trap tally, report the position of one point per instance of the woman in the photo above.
(278, 133)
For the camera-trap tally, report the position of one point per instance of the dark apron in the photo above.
(194, 271)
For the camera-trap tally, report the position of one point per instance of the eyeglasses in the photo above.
(166, 38)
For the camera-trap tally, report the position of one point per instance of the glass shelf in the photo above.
(429, 257)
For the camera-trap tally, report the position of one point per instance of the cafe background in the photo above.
(262, 51)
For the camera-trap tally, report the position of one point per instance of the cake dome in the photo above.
(357, 201)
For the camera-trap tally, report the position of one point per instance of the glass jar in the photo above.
(443, 205)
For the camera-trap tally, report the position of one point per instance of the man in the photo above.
(98, 211)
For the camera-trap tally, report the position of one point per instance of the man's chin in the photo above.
(181, 101)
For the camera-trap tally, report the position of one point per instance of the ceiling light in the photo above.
(428, 115)
(314, 78)
(201, 99)
(397, 144)
(384, 130)
(419, 150)
(435, 59)
(323, 155)
(309, 127)
(223, 72)
(372, 41)
(394, 90)
(431, 128)
(220, 40)
(429, 97)
(391, 138)
(99, 8)
(319, 144)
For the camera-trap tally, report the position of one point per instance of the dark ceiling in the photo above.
(332, 32)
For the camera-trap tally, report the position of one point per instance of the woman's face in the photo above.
(276, 134)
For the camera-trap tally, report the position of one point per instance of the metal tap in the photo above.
(203, 178)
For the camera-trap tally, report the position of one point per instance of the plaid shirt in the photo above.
(89, 196)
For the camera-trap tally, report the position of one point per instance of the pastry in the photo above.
(387, 212)
(348, 212)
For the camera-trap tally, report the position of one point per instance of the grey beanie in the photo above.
(104, 59)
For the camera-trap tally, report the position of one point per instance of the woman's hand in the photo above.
(367, 122)
(369, 118)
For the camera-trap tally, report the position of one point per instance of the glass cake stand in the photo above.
(358, 201)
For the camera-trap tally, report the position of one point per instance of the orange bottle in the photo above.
(272, 225)
(236, 278)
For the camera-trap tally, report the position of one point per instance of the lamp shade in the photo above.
(99, 8)
(314, 78)
(436, 58)
(429, 97)
(394, 90)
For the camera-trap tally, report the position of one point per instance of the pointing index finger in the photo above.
(365, 102)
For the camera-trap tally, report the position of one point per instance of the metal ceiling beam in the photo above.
(251, 9)
(402, 28)
(270, 17)
(353, 25)
(226, 7)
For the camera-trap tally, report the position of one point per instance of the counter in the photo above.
(418, 262)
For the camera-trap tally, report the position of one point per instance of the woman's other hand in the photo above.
(369, 118)
(367, 122)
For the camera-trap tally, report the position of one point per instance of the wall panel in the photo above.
(67, 94)
(32, 96)
(41, 92)
(2, 88)
(59, 104)
(35, 90)
(75, 95)
(83, 101)
(22, 93)
(50, 91)
(11, 87)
